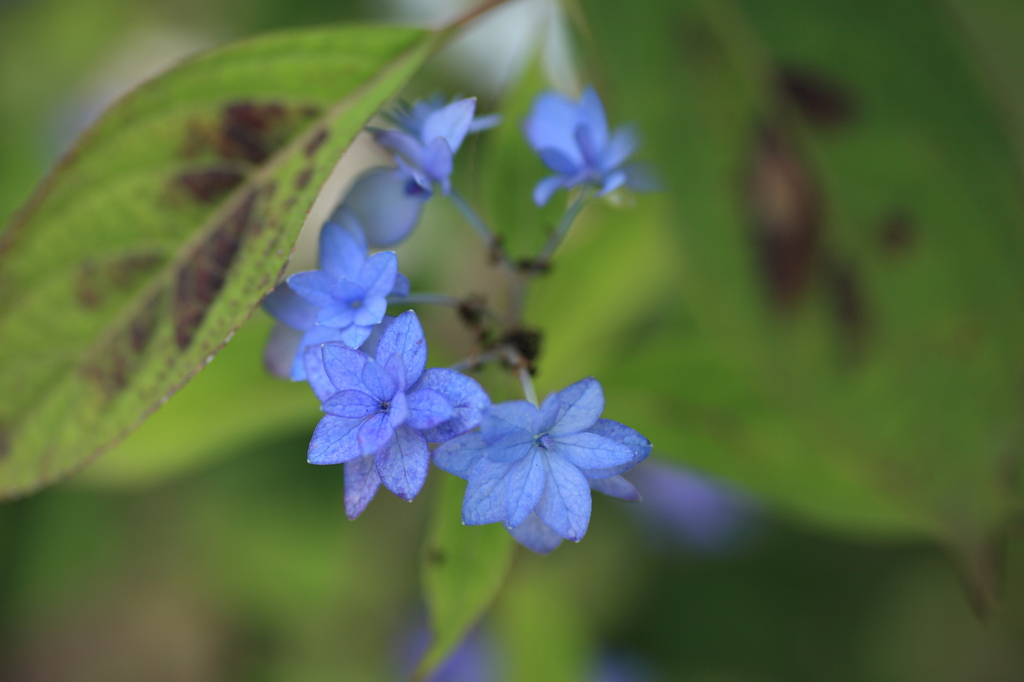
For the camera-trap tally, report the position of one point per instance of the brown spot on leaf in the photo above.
(210, 185)
(898, 234)
(847, 298)
(202, 277)
(787, 215)
(820, 100)
(113, 364)
(303, 178)
(436, 556)
(122, 274)
(318, 139)
(246, 131)
(88, 287)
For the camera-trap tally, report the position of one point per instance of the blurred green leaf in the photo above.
(463, 569)
(160, 232)
(847, 337)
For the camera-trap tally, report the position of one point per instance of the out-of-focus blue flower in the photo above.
(572, 139)
(532, 466)
(387, 201)
(382, 411)
(476, 659)
(342, 301)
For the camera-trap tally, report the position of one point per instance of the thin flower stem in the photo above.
(429, 299)
(477, 361)
(564, 224)
(490, 240)
(527, 381)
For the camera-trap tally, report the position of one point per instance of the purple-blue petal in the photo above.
(485, 493)
(355, 335)
(361, 483)
(342, 246)
(558, 162)
(619, 433)
(484, 122)
(377, 276)
(344, 366)
(395, 367)
(592, 113)
(401, 287)
(582, 404)
(565, 504)
(615, 486)
(546, 188)
(552, 123)
(398, 409)
(402, 464)
(459, 455)
(536, 535)
(378, 382)
(524, 486)
(386, 205)
(404, 336)
(335, 440)
(438, 161)
(450, 123)
(337, 315)
(466, 396)
(504, 418)
(612, 182)
(591, 451)
(371, 312)
(281, 350)
(588, 148)
(315, 338)
(621, 145)
(316, 374)
(403, 144)
(427, 408)
(350, 404)
(375, 433)
(314, 286)
(286, 306)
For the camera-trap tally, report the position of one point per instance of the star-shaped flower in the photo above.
(341, 301)
(382, 411)
(572, 139)
(526, 460)
(387, 201)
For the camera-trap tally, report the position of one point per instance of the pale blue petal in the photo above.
(344, 366)
(337, 315)
(335, 440)
(402, 464)
(591, 451)
(438, 162)
(395, 368)
(512, 447)
(552, 123)
(403, 144)
(612, 182)
(314, 286)
(484, 122)
(316, 373)
(404, 336)
(315, 338)
(565, 504)
(350, 404)
(524, 486)
(427, 408)
(466, 396)
(371, 312)
(401, 287)
(369, 346)
(592, 113)
(558, 162)
(281, 350)
(355, 335)
(485, 493)
(622, 144)
(378, 382)
(451, 123)
(536, 535)
(375, 433)
(460, 455)
(504, 418)
(582, 404)
(399, 409)
(546, 188)
(619, 433)
(378, 274)
(549, 412)
(588, 148)
(387, 204)
(361, 483)
(615, 486)
(342, 248)
(286, 306)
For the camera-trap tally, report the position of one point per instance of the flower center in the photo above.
(543, 441)
(355, 303)
(385, 406)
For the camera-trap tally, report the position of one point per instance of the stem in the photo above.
(429, 299)
(480, 227)
(563, 226)
(477, 361)
(527, 381)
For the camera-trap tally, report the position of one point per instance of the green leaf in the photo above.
(845, 337)
(157, 236)
(463, 569)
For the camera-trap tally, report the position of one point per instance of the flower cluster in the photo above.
(528, 467)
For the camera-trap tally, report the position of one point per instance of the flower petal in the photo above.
(378, 382)
(622, 144)
(451, 123)
(466, 396)
(371, 312)
(375, 433)
(582, 404)
(485, 493)
(620, 433)
(286, 306)
(504, 418)
(361, 483)
(615, 486)
(403, 144)
(337, 315)
(612, 182)
(314, 286)
(588, 148)
(344, 366)
(399, 409)
(355, 335)
(438, 162)
(535, 535)
(402, 464)
(592, 113)
(335, 440)
(525, 484)
(552, 124)
(483, 123)
(427, 408)
(546, 188)
(281, 350)
(401, 287)
(351, 404)
(405, 337)
(557, 161)
(316, 374)
(387, 203)
(316, 337)
(565, 504)
(591, 451)
(342, 246)
(377, 276)
(460, 455)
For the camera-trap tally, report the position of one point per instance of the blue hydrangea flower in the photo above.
(387, 201)
(527, 461)
(383, 410)
(572, 139)
(341, 301)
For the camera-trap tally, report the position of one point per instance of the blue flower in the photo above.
(341, 301)
(572, 139)
(387, 201)
(527, 461)
(382, 411)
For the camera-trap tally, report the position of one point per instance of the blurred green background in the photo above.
(205, 548)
